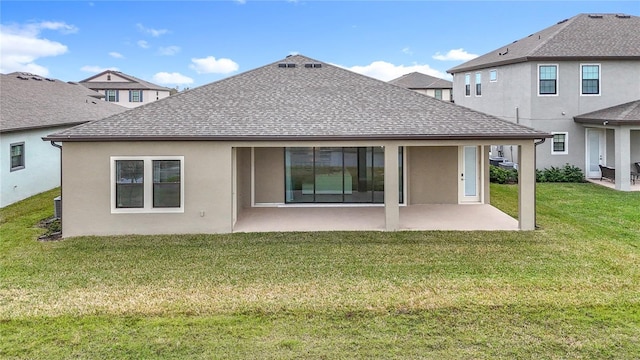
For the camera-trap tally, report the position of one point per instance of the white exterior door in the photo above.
(595, 152)
(469, 188)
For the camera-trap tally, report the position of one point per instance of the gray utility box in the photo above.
(57, 207)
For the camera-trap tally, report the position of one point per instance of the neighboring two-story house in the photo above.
(440, 89)
(31, 107)
(125, 90)
(556, 80)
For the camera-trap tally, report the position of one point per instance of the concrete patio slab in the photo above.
(414, 217)
(612, 185)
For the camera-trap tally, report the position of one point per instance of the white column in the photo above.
(623, 158)
(526, 187)
(391, 203)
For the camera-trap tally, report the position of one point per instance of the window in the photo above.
(493, 75)
(17, 156)
(438, 94)
(478, 84)
(112, 95)
(467, 85)
(135, 96)
(590, 79)
(559, 145)
(147, 184)
(548, 79)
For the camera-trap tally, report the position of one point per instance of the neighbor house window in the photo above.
(112, 95)
(135, 96)
(467, 85)
(478, 84)
(147, 184)
(17, 156)
(548, 79)
(590, 75)
(559, 145)
(493, 75)
(438, 94)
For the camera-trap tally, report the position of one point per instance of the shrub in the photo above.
(567, 173)
(502, 176)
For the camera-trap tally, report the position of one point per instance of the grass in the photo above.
(568, 290)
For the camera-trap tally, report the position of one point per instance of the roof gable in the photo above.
(111, 79)
(416, 80)
(584, 36)
(297, 98)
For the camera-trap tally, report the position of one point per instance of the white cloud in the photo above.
(143, 44)
(169, 50)
(171, 78)
(116, 55)
(385, 71)
(455, 55)
(96, 69)
(210, 65)
(152, 32)
(241, 2)
(22, 45)
(407, 51)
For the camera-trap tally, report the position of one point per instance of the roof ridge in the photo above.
(564, 24)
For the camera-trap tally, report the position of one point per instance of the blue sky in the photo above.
(192, 43)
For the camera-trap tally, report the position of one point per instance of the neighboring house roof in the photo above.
(416, 80)
(30, 102)
(298, 98)
(131, 83)
(584, 36)
(624, 114)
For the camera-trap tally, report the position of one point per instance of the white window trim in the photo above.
(465, 84)
(148, 186)
(475, 84)
(495, 71)
(566, 143)
(24, 156)
(599, 79)
(557, 80)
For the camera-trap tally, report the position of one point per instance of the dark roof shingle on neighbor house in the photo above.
(623, 114)
(132, 83)
(416, 80)
(584, 36)
(30, 101)
(297, 98)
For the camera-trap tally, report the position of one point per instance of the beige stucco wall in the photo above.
(269, 175)
(87, 189)
(244, 177)
(432, 175)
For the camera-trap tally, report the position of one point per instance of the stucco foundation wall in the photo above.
(86, 198)
(432, 175)
(269, 175)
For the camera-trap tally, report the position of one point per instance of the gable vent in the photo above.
(313, 65)
(623, 16)
(286, 65)
(595, 16)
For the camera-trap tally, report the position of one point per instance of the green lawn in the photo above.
(568, 290)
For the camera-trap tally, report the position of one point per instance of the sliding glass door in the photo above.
(336, 175)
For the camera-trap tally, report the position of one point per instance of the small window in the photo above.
(147, 184)
(478, 84)
(112, 95)
(438, 94)
(559, 145)
(493, 75)
(467, 85)
(590, 75)
(108, 77)
(17, 156)
(548, 80)
(135, 96)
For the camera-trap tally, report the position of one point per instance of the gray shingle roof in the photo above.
(584, 36)
(416, 80)
(29, 101)
(623, 114)
(298, 98)
(133, 83)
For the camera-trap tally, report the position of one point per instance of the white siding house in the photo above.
(125, 90)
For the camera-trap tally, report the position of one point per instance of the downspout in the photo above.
(59, 147)
(535, 182)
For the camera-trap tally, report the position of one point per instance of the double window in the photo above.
(467, 85)
(478, 84)
(147, 184)
(17, 156)
(548, 79)
(559, 145)
(590, 76)
(135, 95)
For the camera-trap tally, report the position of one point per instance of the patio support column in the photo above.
(527, 186)
(391, 186)
(623, 158)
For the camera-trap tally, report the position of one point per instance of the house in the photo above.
(440, 89)
(297, 133)
(548, 80)
(126, 90)
(31, 107)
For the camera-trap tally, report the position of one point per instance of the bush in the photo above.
(502, 176)
(567, 173)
